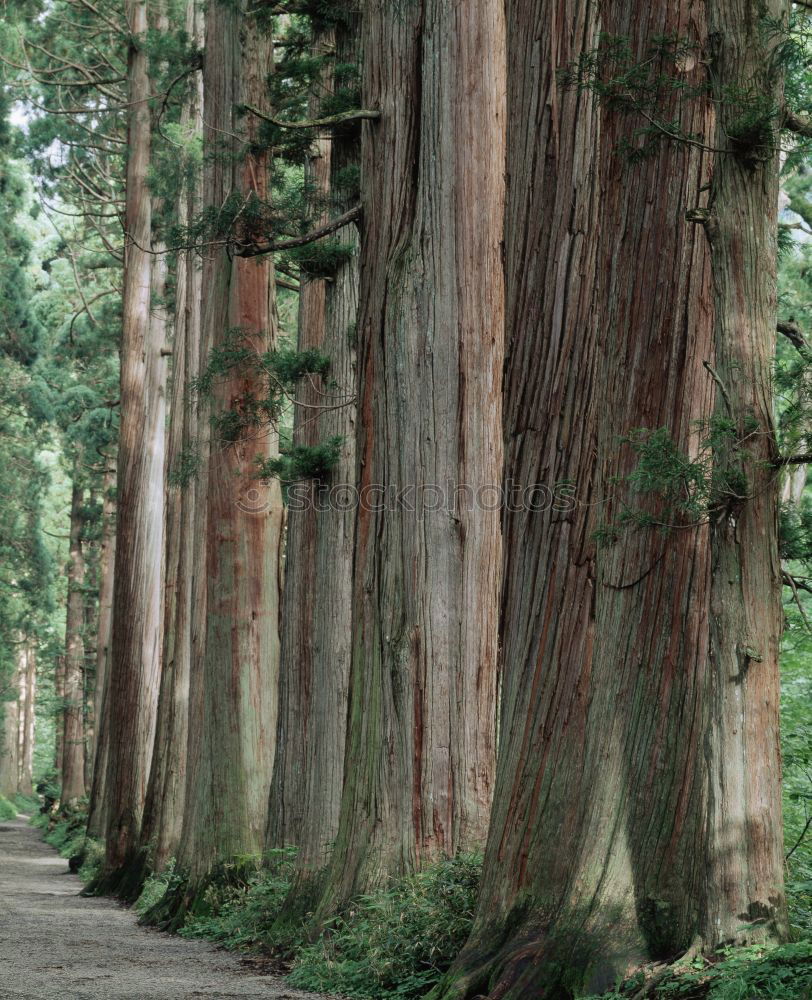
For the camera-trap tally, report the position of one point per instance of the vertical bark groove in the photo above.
(422, 722)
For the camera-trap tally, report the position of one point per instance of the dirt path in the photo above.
(54, 943)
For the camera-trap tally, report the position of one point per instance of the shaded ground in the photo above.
(54, 943)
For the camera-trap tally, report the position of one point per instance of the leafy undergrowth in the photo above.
(396, 942)
(156, 887)
(7, 809)
(27, 804)
(66, 832)
(754, 973)
(239, 910)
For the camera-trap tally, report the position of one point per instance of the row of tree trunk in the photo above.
(17, 747)
(523, 299)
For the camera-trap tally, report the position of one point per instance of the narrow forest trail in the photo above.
(54, 943)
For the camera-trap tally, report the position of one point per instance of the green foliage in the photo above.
(7, 809)
(28, 805)
(276, 373)
(290, 366)
(751, 973)
(184, 468)
(157, 885)
(646, 87)
(399, 941)
(680, 489)
(321, 259)
(241, 912)
(303, 462)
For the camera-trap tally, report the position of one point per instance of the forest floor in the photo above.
(55, 943)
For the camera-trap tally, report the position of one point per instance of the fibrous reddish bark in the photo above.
(137, 599)
(317, 617)
(166, 795)
(98, 798)
(421, 732)
(235, 664)
(605, 850)
(745, 876)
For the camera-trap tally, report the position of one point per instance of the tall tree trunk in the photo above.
(73, 759)
(10, 743)
(90, 610)
(27, 722)
(59, 726)
(745, 855)
(317, 619)
(421, 732)
(137, 605)
(96, 823)
(667, 840)
(163, 813)
(234, 693)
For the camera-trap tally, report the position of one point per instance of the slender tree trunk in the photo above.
(317, 623)
(137, 604)
(421, 735)
(234, 695)
(27, 722)
(96, 823)
(163, 814)
(73, 760)
(59, 726)
(10, 745)
(92, 555)
(746, 901)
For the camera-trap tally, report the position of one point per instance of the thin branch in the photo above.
(794, 588)
(805, 830)
(282, 283)
(798, 124)
(339, 119)
(721, 386)
(254, 249)
(792, 331)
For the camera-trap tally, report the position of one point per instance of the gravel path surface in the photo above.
(55, 944)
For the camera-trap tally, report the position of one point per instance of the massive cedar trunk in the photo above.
(107, 555)
(137, 610)
(745, 861)
(595, 860)
(73, 740)
(421, 732)
(163, 813)
(27, 721)
(317, 620)
(234, 695)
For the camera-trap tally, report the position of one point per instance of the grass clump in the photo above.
(7, 809)
(242, 907)
(399, 941)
